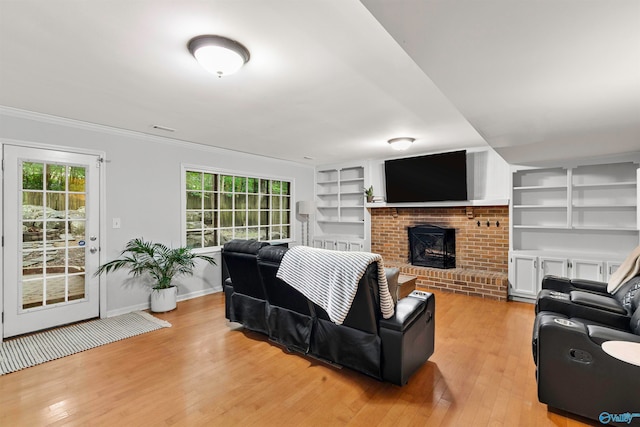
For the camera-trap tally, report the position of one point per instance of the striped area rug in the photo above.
(30, 350)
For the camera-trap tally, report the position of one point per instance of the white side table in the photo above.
(626, 351)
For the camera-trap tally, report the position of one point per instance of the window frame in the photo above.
(185, 168)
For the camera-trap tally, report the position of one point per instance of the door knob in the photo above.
(93, 250)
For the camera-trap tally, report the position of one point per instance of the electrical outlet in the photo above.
(116, 222)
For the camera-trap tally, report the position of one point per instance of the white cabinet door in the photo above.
(355, 246)
(330, 244)
(612, 266)
(523, 276)
(342, 245)
(318, 243)
(550, 266)
(586, 269)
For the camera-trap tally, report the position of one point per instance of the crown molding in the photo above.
(94, 127)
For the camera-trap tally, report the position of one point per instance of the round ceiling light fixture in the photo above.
(401, 144)
(218, 55)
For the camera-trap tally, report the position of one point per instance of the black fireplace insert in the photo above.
(432, 246)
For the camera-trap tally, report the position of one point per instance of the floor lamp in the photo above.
(305, 208)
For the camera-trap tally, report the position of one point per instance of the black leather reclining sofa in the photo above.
(582, 340)
(386, 349)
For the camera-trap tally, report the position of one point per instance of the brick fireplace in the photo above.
(482, 251)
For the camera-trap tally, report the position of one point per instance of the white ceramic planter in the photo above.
(164, 299)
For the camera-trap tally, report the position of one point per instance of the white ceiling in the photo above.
(539, 80)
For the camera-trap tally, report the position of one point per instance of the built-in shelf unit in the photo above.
(579, 221)
(341, 220)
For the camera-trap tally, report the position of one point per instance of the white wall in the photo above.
(487, 175)
(143, 189)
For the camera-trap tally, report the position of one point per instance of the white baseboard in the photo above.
(145, 306)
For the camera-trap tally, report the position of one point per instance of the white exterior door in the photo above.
(51, 238)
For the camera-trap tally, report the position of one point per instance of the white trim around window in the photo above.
(219, 205)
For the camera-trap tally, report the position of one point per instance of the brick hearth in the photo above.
(482, 252)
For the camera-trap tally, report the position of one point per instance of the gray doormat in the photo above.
(30, 350)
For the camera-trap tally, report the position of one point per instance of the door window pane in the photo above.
(55, 260)
(56, 178)
(77, 205)
(32, 202)
(32, 176)
(56, 201)
(76, 287)
(76, 179)
(76, 260)
(32, 292)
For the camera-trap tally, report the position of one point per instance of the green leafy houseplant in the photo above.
(368, 192)
(155, 259)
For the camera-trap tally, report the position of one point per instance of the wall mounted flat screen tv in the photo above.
(432, 178)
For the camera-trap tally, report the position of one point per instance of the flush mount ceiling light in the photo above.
(218, 55)
(401, 143)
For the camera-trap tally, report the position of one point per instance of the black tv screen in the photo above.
(432, 178)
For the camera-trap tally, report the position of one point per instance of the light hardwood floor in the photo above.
(206, 371)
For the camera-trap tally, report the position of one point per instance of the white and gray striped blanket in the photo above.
(330, 278)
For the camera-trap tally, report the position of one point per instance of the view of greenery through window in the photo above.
(53, 221)
(223, 207)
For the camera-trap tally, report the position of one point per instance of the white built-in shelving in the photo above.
(579, 221)
(341, 217)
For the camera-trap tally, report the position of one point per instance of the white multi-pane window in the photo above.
(221, 207)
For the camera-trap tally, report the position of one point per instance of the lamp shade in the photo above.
(401, 143)
(218, 55)
(305, 207)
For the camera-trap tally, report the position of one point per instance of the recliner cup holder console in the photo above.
(564, 322)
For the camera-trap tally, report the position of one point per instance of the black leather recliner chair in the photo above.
(246, 298)
(580, 371)
(290, 316)
(387, 349)
(588, 299)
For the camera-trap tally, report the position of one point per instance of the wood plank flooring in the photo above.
(207, 371)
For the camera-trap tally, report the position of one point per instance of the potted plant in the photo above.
(368, 192)
(159, 262)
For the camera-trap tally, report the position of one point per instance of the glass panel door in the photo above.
(51, 238)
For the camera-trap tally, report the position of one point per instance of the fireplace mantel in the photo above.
(445, 204)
